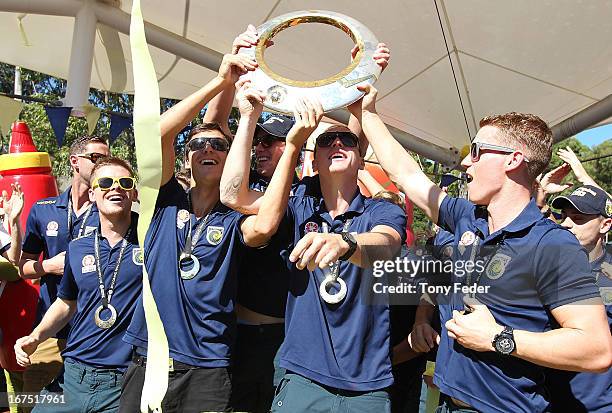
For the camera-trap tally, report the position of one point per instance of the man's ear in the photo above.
(92, 197)
(74, 163)
(605, 226)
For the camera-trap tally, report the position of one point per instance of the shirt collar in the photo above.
(605, 257)
(356, 207)
(528, 216)
(64, 198)
(133, 238)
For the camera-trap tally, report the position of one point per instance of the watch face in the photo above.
(504, 345)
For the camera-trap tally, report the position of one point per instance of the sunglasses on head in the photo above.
(105, 183)
(477, 147)
(218, 144)
(348, 139)
(266, 140)
(93, 157)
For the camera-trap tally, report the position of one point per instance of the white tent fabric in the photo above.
(550, 57)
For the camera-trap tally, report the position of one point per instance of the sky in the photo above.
(595, 136)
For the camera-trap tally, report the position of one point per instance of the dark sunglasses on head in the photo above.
(266, 140)
(105, 183)
(348, 139)
(218, 144)
(477, 147)
(93, 157)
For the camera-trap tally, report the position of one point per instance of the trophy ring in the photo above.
(108, 323)
(191, 272)
(332, 298)
(334, 92)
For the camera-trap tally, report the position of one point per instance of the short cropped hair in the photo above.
(390, 197)
(111, 160)
(526, 132)
(80, 144)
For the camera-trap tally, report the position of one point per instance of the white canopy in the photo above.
(552, 58)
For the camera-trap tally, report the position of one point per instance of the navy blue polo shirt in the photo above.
(87, 343)
(47, 232)
(345, 345)
(264, 276)
(197, 314)
(531, 267)
(585, 392)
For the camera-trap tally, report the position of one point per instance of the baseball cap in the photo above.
(587, 199)
(277, 125)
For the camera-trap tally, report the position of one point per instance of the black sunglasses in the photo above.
(477, 147)
(348, 139)
(93, 157)
(267, 140)
(218, 144)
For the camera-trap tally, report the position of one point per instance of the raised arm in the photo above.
(179, 116)
(13, 207)
(235, 192)
(258, 229)
(403, 170)
(220, 106)
(569, 157)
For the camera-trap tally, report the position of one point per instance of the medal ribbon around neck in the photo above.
(87, 213)
(190, 243)
(332, 275)
(107, 294)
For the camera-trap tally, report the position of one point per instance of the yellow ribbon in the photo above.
(24, 38)
(147, 135)
(92, 114)
(9, 112)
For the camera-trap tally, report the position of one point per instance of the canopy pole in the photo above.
(597, 112)
(81, 58)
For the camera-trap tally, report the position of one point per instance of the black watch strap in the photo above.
(352, 242)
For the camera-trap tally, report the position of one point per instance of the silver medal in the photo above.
(110, 321)
(193, 271)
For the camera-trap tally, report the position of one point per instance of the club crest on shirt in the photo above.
(311, 227)
(137, 256)
(182, 216)
(606, 295)
(214, 235)
(497, 266)
(467, 238)
(52, 227)
(89, 264)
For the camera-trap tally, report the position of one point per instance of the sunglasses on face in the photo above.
(93, 157)
(348, 139)
(105, 183)
(266, 140)
(477, 147)
(218, 144)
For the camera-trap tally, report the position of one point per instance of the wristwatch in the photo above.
(504, 343)
(349, 238)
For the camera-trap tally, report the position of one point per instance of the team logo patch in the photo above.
(497, 266)
(606, 295)
(52, 228)
(214, 235)
(311, 227)
(182, 216)
(89, 230)
(137, 256)
(467, 238)
(89, 264)
(608, 207)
